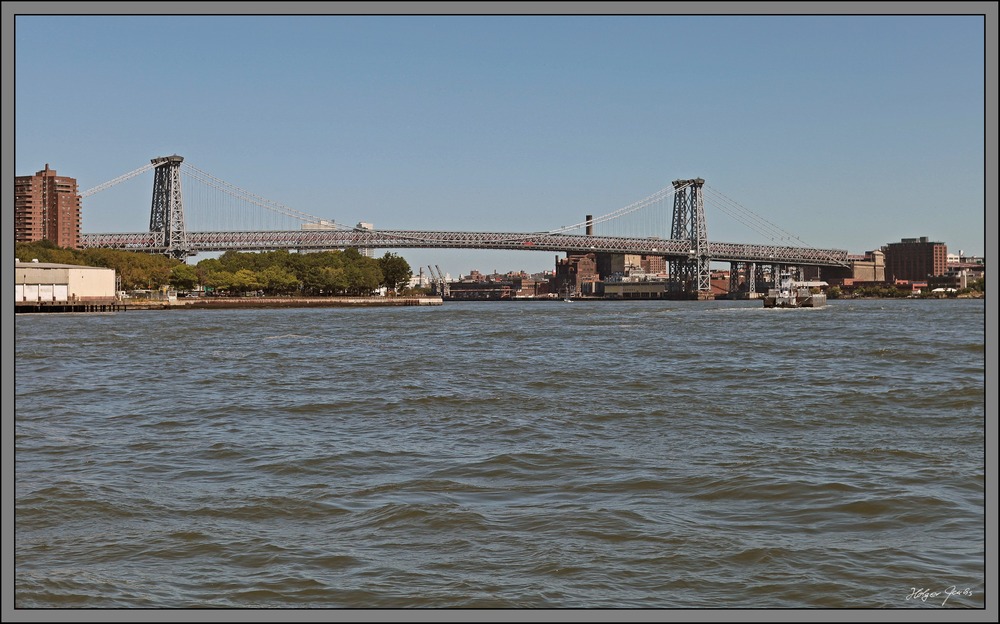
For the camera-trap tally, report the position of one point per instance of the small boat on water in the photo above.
(792, 294)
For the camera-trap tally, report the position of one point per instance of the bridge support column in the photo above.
(693, 274)
(735, 269)
(763, 274)
(743, 280)
(166, 215)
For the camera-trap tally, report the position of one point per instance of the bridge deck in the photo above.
(407, 239)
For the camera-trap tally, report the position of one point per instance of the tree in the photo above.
(334, 280)
(396, 271)
(276, 279)
(351, 255)
(132, 277)
(234, 261)
(245, 280)
(184, 277)
(219, 280)
(363, 278)
(46, 251)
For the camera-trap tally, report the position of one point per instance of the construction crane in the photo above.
(445, 291)
(432, 280)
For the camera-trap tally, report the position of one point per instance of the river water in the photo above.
(657, 455)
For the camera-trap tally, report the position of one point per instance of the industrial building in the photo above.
(864, 269)
(41, 286)
(575, 274)
(495, 289)
(47, 207)
(620, 289)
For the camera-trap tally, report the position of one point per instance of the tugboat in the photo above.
(790, 294)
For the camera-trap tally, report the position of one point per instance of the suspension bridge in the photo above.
(214, 206)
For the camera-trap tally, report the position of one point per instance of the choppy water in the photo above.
(622, 455)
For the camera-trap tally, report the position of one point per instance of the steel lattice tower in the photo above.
(678, 269)
(688, 224)
(166, 216)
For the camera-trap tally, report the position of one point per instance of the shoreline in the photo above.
(229, 303)
(208, 303)
(233, 303)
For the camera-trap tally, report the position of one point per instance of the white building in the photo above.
(45, 282)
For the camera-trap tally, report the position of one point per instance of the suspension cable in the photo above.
(621, 212)
(770, 230)
(120, 179)
(239, 193)
(770, 235)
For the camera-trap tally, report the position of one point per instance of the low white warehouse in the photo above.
(41, 282)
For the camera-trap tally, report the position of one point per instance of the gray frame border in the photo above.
(11, 9)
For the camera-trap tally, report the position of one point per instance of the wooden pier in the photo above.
(33, 307)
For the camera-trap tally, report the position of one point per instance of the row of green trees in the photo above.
(276, 272)
(280, 272)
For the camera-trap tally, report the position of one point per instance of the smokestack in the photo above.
(590, 225)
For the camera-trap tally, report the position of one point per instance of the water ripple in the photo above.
(649, 455)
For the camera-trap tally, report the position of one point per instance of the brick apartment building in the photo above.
(915, 259)
(47, 207)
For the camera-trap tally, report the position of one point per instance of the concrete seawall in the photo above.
(303, 302)
(221, 303)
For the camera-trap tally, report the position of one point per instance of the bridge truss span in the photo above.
(318, 240)
(736, 252)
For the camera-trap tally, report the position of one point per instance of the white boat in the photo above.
(792, 294)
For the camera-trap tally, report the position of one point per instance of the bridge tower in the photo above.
(693, 273)
(166, 216)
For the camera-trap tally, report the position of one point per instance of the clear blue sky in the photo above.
(849, 132)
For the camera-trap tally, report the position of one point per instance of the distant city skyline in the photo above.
(849, 132)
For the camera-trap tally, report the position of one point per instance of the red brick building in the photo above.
(47, 207)
(573, 272)
(915, 259)
(654, 265)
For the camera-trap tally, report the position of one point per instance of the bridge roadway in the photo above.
(198, 242)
